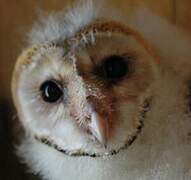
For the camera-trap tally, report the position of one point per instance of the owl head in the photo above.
(85, 83)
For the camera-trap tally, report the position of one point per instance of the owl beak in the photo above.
(99, 128)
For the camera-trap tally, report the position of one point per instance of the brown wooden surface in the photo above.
(16, 16)
(183, 13)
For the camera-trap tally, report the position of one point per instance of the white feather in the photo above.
(153, 155)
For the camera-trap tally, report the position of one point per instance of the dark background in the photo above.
(16, 18)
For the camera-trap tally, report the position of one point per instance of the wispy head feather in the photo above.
(60, 25)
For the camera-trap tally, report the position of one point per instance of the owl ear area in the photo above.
(22, 63)
(26, 60)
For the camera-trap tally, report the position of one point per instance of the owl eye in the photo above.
(51, 91)
(115, 67)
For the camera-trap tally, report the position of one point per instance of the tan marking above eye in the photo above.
(93, 55)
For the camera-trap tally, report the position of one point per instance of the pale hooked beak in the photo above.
(99, 128)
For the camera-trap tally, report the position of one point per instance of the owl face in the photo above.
(87, 94)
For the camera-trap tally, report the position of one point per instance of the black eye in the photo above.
(51, 91)
(115, 67)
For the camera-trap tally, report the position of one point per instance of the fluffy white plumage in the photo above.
(162, 149)
(64, 24)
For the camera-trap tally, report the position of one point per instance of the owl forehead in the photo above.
(87, 36)
(50, 58)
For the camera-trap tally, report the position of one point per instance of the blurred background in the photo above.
(16, 17)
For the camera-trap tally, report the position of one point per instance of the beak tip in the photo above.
(98, 129)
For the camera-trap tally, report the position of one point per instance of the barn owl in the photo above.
(104, 97)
